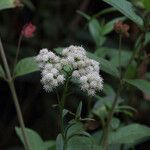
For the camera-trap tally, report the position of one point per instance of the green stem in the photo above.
(15, 98)
(110, 115)
(111, 112)
(61, 108)
(120, 50)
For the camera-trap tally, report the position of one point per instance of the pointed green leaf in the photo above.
(142, 85)
(126, 8)
(95, 29)
(59, 142)
(129, 134)
(4, 4)
(25, 66)
(36, 143)
(84, 14)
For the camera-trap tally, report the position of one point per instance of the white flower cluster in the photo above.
(51, 67)
(84, 69)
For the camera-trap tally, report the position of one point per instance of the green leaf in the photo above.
(50, 145)
(129, 134)
(65, 112)
(36, 143)
(126, 8)
(84, 14)
(73, 128)
(109, 27)
(80, 143)
(108, 90)
(25, 66)
(146, 4)
(2, 73)
(5, 4)
(59, 142)
(79, 110)
(95, 29)
(142, 85)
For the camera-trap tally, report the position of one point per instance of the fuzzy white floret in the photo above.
(60, 78)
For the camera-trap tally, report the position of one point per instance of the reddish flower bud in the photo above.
(122, 28)
(28, 30)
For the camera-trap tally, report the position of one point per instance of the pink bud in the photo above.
(28, 30)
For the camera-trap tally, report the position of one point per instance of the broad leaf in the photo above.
(80, 143)
(50, 145)
(4, 4)
(59, 142)
(126, 8)
(146, 4)
(35, 141)
(25, 66)
(142, 85)
(129, 134)
(2, 73)
(95, 30)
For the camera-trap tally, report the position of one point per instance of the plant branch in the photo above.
(15, 98)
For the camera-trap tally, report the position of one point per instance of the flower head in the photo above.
(84, 69)
(122, 28)
(28, 30)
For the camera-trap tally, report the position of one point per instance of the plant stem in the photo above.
(110, 115)
(15, 98)
(111, 112)
(119, 56)
(61, 108)
(109, 118)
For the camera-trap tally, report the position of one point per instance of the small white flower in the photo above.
(93, 84)
(83, 79)
(91, 92)
(81, 64)
(75, 74)
(65, 51)
(96, 68)
(48, 66)
(51, 55)
(54, 82)
(44, 72)
(70, 59)
(85, 87)
(47, 88)
(58, 66)
(64, 62)
(54, 71)
(60, 78)
(44, 51)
